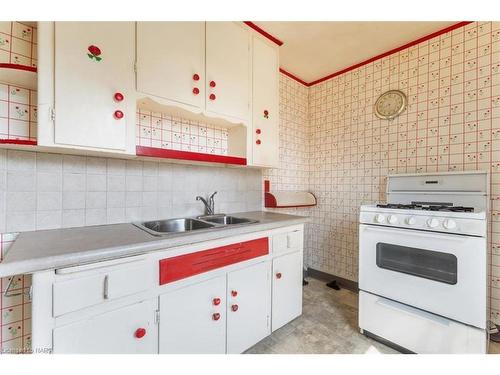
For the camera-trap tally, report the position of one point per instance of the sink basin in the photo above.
(226, 220)
(175, 225)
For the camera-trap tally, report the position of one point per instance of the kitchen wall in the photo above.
(452, 123)
(294, 135)
(46, 191)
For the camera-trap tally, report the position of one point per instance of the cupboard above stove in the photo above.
(95, 81)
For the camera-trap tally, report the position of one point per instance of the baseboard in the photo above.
(345, 283)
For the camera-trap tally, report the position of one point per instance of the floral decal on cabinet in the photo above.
(266, 113)
(94, 53)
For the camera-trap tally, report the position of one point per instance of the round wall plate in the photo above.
(390, 104)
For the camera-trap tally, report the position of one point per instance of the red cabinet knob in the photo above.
(196, 91)
(258, 141)
(216, 316)
(118, 114)
(118, 96)
(258, 131)
(234, 293)
(196, 77)
(234, 307)
(212, 84)
(278, 275)
(216, 301)
(212, 97)
(140, 333)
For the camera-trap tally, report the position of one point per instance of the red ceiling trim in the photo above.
(263, 32)
(283, 71)
(385, 54)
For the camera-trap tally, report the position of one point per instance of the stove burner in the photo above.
(426, 207)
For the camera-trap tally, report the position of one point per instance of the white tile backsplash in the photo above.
(46, 191)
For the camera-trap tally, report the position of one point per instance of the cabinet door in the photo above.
(228, 69)
(287, 289)
(171, 61)
(265, 112)
(93, 62)
(128, 330)
(193, 319)
(248, 306)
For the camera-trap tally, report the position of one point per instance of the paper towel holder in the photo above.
(287, 199)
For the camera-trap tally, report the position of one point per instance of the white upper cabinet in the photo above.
(265, 108)
(171, 61)
(94, 84)
(228, 69)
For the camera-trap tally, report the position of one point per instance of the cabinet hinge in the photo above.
(135, 67)
(157, 316)
(52, 114)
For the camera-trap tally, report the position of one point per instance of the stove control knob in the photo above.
(449, 224)
(391, 219)
(432, 223)
(411, 220)
(379, 218)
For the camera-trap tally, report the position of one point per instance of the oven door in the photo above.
(437, 272)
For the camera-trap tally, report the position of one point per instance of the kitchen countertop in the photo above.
(50, 249)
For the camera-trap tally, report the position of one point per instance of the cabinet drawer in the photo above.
(87, 288)
(183, 266)
(290, 241)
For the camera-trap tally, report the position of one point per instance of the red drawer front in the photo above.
(180, 267)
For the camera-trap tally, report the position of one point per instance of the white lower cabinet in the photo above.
(127, 330)
(287, 289)
(248, 306)
(193, 318)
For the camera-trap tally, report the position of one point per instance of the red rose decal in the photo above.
(94, 53)
(266, 113)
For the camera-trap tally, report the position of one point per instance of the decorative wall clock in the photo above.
(390, 104)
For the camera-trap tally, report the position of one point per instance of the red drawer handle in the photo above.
(278, 275)
(216, 301)
(258, 141)
(216, 316)
(234, 307)
(196, 77)
(140, 333)
(258, 131)
(212, 84)
(118, 115)
(234, 293)
(212, 97)
(196, 91)
(118, 96)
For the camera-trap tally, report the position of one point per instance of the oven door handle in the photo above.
(426, 234)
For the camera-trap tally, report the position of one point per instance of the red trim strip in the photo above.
(18, 142)
(407, 45)
(264, 33)
(186, 155)
(18, 67)
(385, 54)
(283, 71)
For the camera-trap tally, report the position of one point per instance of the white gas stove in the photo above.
(423, 263)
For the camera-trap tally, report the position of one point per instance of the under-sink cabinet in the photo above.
(221, 296)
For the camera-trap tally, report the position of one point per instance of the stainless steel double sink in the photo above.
(181, 225)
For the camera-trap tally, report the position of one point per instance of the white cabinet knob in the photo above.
(432, 223)
(392, 219)
(449, 224)
(379, 218)
(411, 220)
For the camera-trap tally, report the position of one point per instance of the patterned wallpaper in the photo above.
(452, 123)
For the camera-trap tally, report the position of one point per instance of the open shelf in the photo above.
(174, 133)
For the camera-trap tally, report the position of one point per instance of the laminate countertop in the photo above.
(50, 249)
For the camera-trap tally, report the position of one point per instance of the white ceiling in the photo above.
(312, 50)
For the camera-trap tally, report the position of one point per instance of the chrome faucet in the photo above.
(209, 203)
